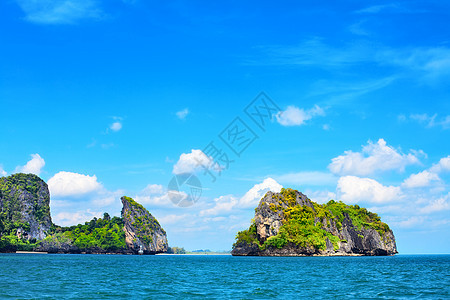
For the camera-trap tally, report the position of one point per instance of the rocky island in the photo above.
(290, 224)
(26, 224)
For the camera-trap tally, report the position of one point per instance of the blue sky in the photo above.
(110, 98)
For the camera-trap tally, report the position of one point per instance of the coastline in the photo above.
(168, 254)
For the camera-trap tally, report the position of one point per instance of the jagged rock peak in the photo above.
(142, 230)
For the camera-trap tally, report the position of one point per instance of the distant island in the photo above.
(285, 224)
(290, 224)
(182, 251)
(26, 224)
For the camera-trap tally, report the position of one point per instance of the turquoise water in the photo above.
(26, 276)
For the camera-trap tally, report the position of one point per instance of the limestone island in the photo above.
(290, 224)
(26, 224)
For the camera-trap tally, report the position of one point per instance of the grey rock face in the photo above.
(25, 198)
(366, 241)
(142, 229)
(52, 247)
(269, 216)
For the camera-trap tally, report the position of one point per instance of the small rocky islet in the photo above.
(290, 224)
(285, 224)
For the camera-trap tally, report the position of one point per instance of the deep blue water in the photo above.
(25, 276)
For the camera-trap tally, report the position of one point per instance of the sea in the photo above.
(65, 276)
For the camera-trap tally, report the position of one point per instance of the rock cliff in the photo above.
(24, 206)
(142, 229)
(25, 224)
(290, 224)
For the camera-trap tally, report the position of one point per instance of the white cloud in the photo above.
(432, 62)
(157, 195)
(392, 7)
(427, 177)
(421, 63)
(401, 118)
(422, 179)
(431, 121)
(161, 200)
(182, 114)
(107, 146)
(188, 230)
(354, 189)
(173, 219)
(78, 198)
(437, 205)
(2, 172)
(442, 166)
(92, 144)
(59, 11)
(152, 189)
(34, 165)
(410, 222)
(294, 116)
(252, 197)
(372, 158)
(116, 126)
(320, 196)
(225, 204)
(80, 202)
(68, 184)
(358, 28)
(222, 205)
(194, 161)
(423, 118)
(307, 178)
(73, 218)
(217, 219)
(105, 198)
(341, 93)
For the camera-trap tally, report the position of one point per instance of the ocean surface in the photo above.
(39, 276)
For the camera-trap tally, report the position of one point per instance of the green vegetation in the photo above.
(247, 236)
(12, 243)
(12, 210)
(11, 188)
(103, 233)
(305, 226)
(361, 217)
(24, 206)
(133, 203)
(299, 228)
(11, 240)
(176, 250)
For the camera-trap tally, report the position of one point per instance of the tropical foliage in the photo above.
(305, 226)
(24, 199)
(12, 222)
(176, 250)
(105, 233)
